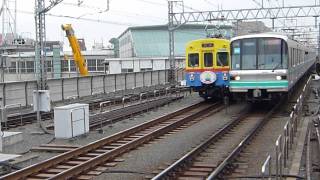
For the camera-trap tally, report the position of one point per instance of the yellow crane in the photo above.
(78, 58)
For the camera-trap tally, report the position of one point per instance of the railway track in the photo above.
(17, 119)
(91, 160)
(99, 120)
(215, 156)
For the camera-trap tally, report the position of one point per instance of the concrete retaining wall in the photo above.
(61, 89)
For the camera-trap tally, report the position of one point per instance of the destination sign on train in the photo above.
(207, 45)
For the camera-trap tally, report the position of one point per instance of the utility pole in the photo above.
(40, 52)
(171, 75)
(171, 28)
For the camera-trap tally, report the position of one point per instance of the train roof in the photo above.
(270, 34)
(208, 40)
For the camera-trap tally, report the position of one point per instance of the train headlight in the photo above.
(237, 78)
(225, 76)
(278, 78)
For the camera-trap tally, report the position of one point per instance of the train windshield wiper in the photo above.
(259, 65)
(221, 64)
(276, 67)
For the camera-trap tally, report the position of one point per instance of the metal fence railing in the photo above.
(285, 141)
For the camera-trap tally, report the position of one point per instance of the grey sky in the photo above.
(122, 14)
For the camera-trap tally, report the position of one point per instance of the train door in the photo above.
(208, 57)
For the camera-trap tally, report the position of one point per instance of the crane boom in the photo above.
(78, 58)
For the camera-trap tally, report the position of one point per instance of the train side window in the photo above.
(284, 55)
(208, 59)
(306, 56)
(193, 60)
(297, 57)
(294, 57)
(222, 59)
(290, 59)
(300, 56)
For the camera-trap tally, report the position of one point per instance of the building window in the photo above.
(22, 67)
(100, 65)
(64, 66)
(145, 69)
(12, 68)
(48, 65)
(126, 70)
(92, 64)
(72, 66)
(30, 66)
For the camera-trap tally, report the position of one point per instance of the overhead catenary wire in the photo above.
(112, 11)
(81, 18)
(210, 3)
(154, 3)
(263, 6)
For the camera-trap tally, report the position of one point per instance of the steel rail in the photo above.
(120, 113)
(31, 171)
(122, 149)
(318, 136)
(186, 159)
(14, 120)
(228, 160)
(308, 154)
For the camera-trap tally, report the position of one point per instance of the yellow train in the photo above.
(207, 67)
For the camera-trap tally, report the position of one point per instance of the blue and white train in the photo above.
(265, 66)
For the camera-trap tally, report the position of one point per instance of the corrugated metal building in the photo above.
(153, 41)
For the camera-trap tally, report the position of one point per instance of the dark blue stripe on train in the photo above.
(193, 80)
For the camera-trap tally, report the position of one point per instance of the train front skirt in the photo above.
(209, 84)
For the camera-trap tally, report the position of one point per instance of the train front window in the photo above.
(193, 60)
(259, 54)
(269, 56)
(222, 59)
(249, 54)
(208, 59)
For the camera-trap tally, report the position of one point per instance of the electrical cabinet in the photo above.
(44, 100)
(71, 120)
